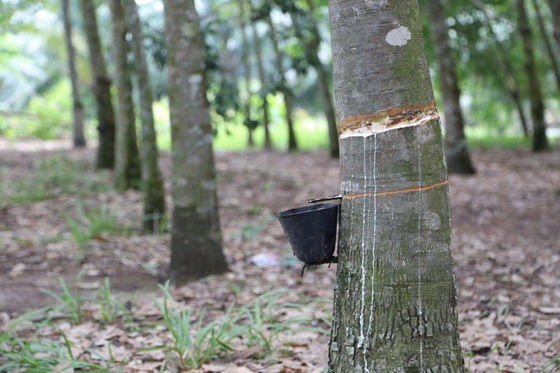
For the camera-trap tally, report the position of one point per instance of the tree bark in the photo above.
(262, 78)
(292, 142)
(127, 163)
(246, 74)
(547, 44)
(395, 299)
(554, 6)
(457, 152)
(540, 141)
(77, 107)
(311, 45)
(154, 195)
(196, 241)
(101, 88)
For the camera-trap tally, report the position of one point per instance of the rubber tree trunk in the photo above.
(395, 299)
(101, 87)
(457, 152)
(196, 240)
(77, 107)
(311, 44)
(127, 163)
(511, 85)
(288, 106)
(547, 44)
(554, 6)
(262, 78)
(154, 194)
(246, 73)
(540, 141)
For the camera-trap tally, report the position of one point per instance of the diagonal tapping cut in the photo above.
(388, 119)
(413, 188)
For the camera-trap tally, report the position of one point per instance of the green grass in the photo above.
(89, 223)
(193, 338)
(51, 176)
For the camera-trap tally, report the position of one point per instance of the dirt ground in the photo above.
(506, 223)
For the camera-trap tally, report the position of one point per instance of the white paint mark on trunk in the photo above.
(398, 37)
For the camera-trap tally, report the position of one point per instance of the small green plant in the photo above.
(109, 306)
(551, 366)
(260, 319)
(67, 301)
(43, 356)
(193, 345)
(92, 223)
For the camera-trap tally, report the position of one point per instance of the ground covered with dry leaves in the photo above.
(59, 219)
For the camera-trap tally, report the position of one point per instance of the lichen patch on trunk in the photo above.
(398, 37)
(385, 120)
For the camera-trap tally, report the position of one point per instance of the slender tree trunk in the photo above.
(262, 78)
(78, 109)
(457, 152)
(246, 74)
(512, 85)
(101, 88)
(540, 141)
(292, 142)
(312, 55)
(516, 97)
(548, 45)
(154, 194)
(127, 163)
(196, 240)
(554, 6)
(395, 300)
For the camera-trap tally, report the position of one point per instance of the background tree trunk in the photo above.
(78, 109)
(511, 84)
(311, 45)
(554, 6)
(395, 300)
(196, 241)
(292, 142)
(547, 44)
(262, 78)
(101, 87)
(246, 73)
(154, 196)
(540, 141)
(127, 163)
(457, 152)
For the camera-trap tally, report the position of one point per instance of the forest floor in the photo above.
(59, 219)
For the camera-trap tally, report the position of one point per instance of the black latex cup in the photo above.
(311, 231)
